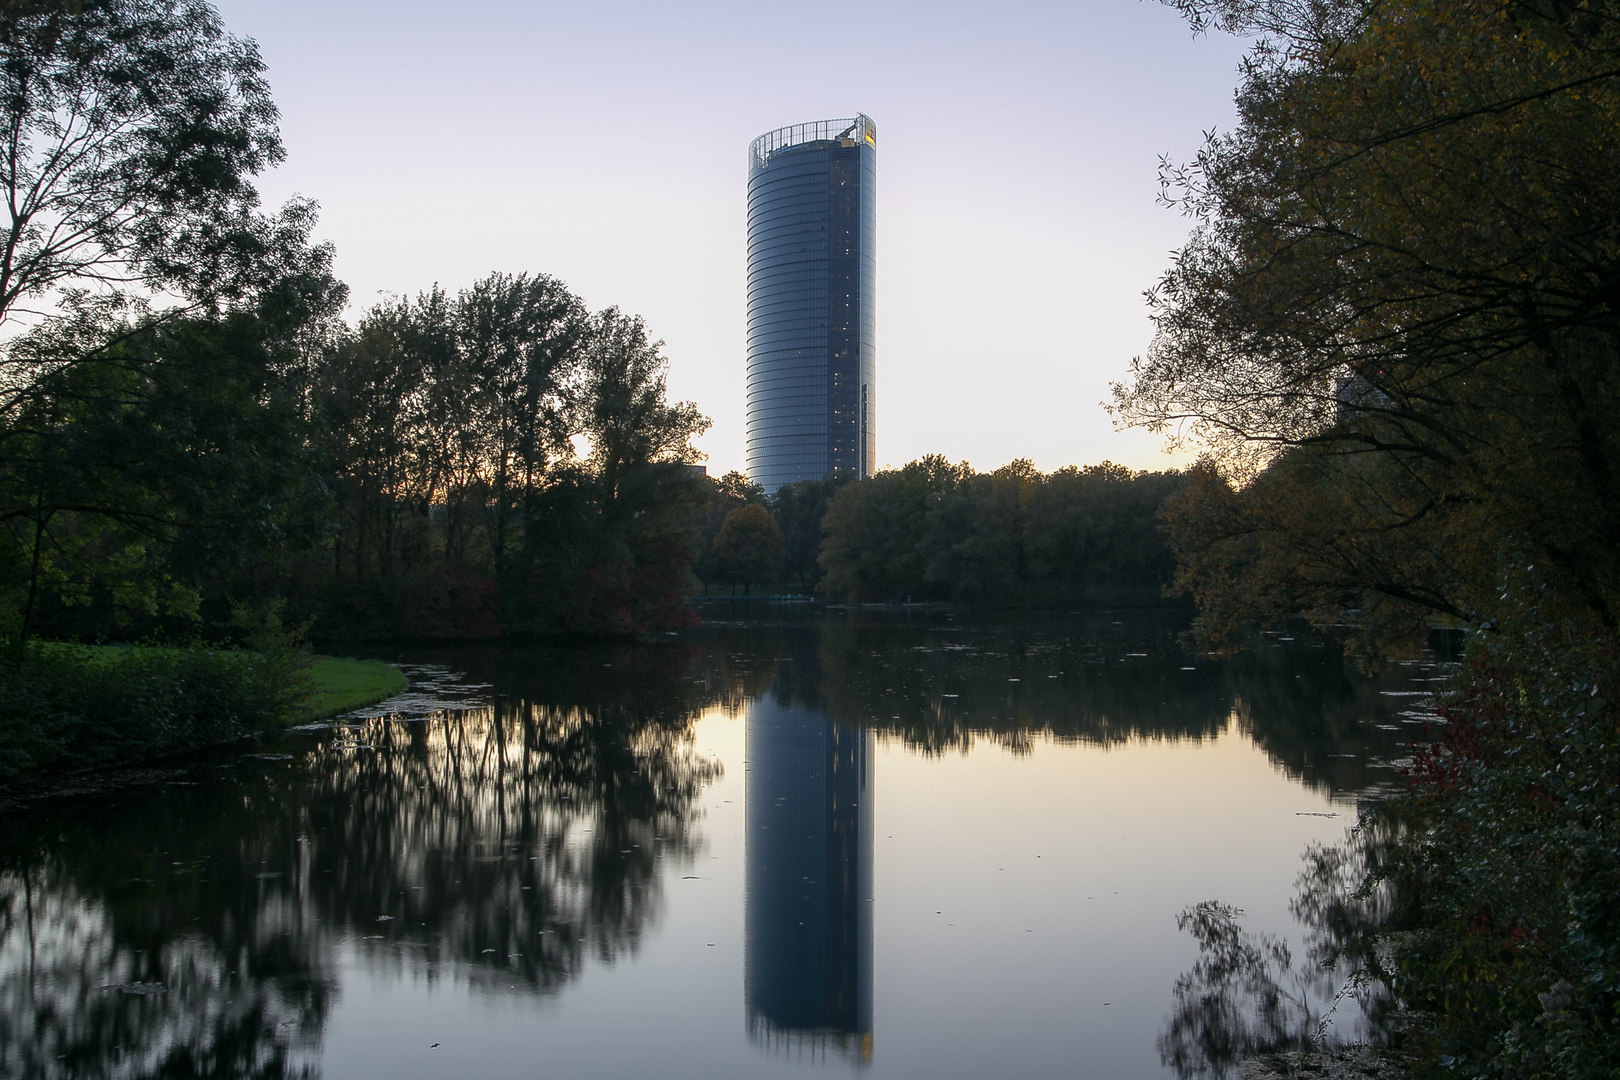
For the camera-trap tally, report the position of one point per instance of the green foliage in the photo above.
(1394, 330)
(502, 461)
(178, 464)
(1013, 536)
(748, 548)
(131, 131)
(129, 473)
(721, 496)
(1508, 874)
(799, 509)
(1311, 536)
(607, 561)
(873, 530)
(67, 707)
(186, 422)
(1402, 260)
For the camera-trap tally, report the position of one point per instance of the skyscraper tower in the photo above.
(812, 319)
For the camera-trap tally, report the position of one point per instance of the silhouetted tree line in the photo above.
(452, 466)
(502, 460)
(188, 426)
(936, 530)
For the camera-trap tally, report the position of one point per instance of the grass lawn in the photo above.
(339, 684)
(342, 684)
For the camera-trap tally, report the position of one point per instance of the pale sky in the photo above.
(606, 144)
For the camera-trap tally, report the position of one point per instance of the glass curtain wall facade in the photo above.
(812, 318)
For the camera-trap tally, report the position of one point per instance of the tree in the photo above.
(1402, 279)
(623, 410)
(1012, 536)
(799, 509)
(1395, 329)
(977, 537)
(134, 483)
(130, 131)
(451, 423)
(734, 489)
(873, 529)
(522, 336)
(138, 284)
(722, 495)
(1095, 535)
(748, 548)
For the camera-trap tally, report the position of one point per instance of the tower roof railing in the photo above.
(858, 127)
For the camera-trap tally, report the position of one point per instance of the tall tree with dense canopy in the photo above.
(748, 548)
(130, 133)
(503, 460)
(1400, 289)
(149, 310)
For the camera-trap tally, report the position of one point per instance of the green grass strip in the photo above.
(338, 684)
(341, 685)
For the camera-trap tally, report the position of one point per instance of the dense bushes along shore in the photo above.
(1506, 872)
(70, 707)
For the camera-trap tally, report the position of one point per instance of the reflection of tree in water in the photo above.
(1326, 724)
(1248, 997)
(188, 928)
(511, 839)
(87, 990)
(1084, 681)
(1098, 680)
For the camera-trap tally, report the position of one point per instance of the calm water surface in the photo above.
(784, 843)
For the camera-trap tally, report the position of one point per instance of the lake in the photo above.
(788, 842)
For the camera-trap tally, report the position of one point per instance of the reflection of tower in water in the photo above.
(809, 932)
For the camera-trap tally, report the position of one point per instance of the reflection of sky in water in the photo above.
(568, 873)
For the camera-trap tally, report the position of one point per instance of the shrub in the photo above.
(66, 707)
(1510, 872)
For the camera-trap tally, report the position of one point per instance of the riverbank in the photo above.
(1344, 1063)
(339, 684)
(68, 709)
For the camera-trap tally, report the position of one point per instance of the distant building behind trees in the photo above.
(812, 322)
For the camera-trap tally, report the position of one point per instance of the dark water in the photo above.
(784, 842)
